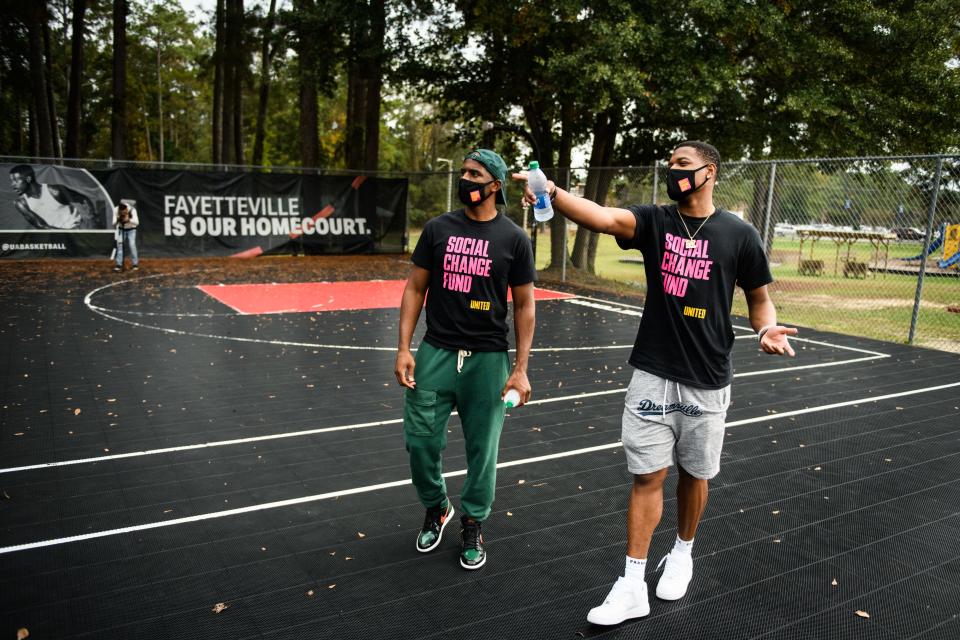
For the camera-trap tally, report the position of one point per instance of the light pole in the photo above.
(449, 179)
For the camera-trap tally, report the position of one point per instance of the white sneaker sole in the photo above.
(670, 598)
(471, 567)
(599, 618)
(439, 537)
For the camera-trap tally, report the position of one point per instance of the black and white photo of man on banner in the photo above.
(52, 198)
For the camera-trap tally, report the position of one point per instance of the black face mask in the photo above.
(680, 183)
(471, 193)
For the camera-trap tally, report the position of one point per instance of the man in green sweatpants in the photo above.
(466, 259)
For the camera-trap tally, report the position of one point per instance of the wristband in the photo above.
(553, 194)
(763, 330)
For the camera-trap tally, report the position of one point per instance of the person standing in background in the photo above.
(126, 221)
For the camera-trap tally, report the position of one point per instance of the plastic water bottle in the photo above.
(542, 208)
(512, 398)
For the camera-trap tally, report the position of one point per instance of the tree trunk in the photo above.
(218, 61)
(307, 66)
(374, 72)
(33, 132)
(238, 68)
(36, 17)
(265, 56)
(356, 97)
(51, 98)
(606, 125)
(541, 128)
(159, 101)
(118, 117)
(228, 147)
(74, 97)
(561, 177)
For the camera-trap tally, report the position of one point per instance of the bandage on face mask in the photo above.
(471, 193)
(680, 183)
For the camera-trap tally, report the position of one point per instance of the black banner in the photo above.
(52, 211)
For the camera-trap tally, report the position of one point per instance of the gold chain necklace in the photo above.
(690, 243)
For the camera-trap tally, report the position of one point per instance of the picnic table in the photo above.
(879, 240)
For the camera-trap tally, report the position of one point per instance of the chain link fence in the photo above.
(860, 246)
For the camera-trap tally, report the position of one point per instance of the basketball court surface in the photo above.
(184, 457)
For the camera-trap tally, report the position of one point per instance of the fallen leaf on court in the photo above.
(862, 614)
(776, 540)
(888, 460)
(111, 399)
(22, 633)
(333, 553)
(310, 593)
(775, 512)
(345, 558)
(834, 583)
(816, 468)
(18, 433)
(76, 412)
(173, 350)
(521, 481)
(220, 606)
(509, 513)
(361, 534)
(331, 586)
(535, 429)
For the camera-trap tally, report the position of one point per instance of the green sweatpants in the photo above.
(470, 382)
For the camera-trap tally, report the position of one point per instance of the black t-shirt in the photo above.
(685, 332)
(470, 264)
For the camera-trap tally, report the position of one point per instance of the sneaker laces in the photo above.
(432, 518)
(671, 569)
(471, 534)
(621, 592)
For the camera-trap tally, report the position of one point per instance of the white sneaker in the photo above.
(676, 575)
(627, 599)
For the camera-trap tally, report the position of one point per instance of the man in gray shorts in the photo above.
(695, 254)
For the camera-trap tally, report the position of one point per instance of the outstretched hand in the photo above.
(775, 341)
(528, 196)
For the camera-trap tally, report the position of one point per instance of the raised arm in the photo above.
(613, 221)
(410, 305)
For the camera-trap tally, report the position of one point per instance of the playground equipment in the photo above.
(951, 246)
(934, 246)
(947, 237)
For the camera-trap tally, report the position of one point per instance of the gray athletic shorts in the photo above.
(666, 422)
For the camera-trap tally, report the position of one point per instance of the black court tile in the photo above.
(813, 517)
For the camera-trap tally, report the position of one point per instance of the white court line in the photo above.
(450, 474)
(360, 425)
(605, 306)
(106, 313)
(293, 434)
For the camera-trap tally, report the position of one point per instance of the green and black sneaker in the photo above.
(472, 555)
(433, 525)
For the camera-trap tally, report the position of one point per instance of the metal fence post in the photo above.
(768, 246)
(926, 243)
(653, 199)
(563, 263)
